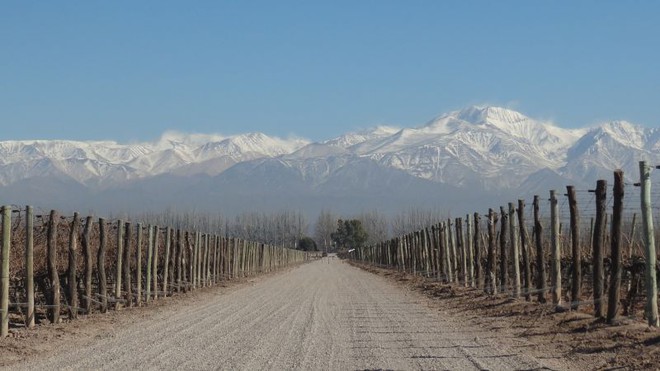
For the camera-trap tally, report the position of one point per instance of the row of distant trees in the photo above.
(292, 229)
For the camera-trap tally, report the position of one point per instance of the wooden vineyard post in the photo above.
(576, 287)
(179, 262)
(524, 249)
(205, 273)
(138, 265)
(4, 276)
(190, 262)
(128, 240)
(166, 265)
(461, 245)
(53, 274)
(87, 252)
(73, 263)
(515, 252)
(555, 277)
(615, 281)
(598, 237)
(504, 255)
(29, 265)
(100, 266)
(446, 231)
(195, 259)
(540, 265)
(491, 285)
(154, 267)
(477, 252)
(649, 244)
(469, 246)
(150, 254)
(454, 256)
(120, 253)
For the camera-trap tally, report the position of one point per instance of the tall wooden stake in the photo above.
(576, 286)
(504, 247)
(29, 265)
(515, 252)
(540, 264)
(100, 264)
(4, 276)
(615, 281)
(524, 247)
(556, 249)
(119, 265)
(138, 265)
(599, 228)
(477, 251)
(87, 253)
(128, 255)
(649, 244)
(491, 284)
(53, 274)
(73, 263)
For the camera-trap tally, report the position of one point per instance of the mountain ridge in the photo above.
(485, 148)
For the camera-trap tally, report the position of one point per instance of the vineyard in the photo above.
(56, 267)
(579, 256)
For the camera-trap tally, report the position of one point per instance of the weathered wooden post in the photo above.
(515, 252)
(4, 276)
(150, 254)
(179, 261)
(100, 266)
(576, 287)
(446, 232)
(452, 245)
(491, 284)
(461, 244)
(29, 265)
(128, 239)
(599, 228)
(120, 254)
(615, 280)
(166, 267)
(154, 268)
(649, 244)
(540, 264)
(524, 248)
(53, 274)
(73, 263)
(87, 252)
(556, 249)
(470, 249)
(504, 254)
(138, 265)
(477, 251)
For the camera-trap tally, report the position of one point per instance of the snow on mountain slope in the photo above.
(95, 163)
(492, 147)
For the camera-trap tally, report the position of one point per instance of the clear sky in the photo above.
(129, 70)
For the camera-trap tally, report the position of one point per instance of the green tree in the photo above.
(350, 234)
(307, 244)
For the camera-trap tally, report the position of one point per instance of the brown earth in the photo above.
(573, 335)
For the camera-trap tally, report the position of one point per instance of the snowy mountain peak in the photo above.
(490, 114)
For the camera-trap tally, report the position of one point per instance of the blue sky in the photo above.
(130, 70)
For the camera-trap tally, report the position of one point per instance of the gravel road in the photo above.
(323, 315)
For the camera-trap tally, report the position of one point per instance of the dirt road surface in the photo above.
(323, 315)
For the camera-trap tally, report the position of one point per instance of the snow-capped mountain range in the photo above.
(487, 149)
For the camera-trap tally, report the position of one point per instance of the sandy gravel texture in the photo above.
(323, 315)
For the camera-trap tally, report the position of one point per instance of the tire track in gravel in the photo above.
(321, 315)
